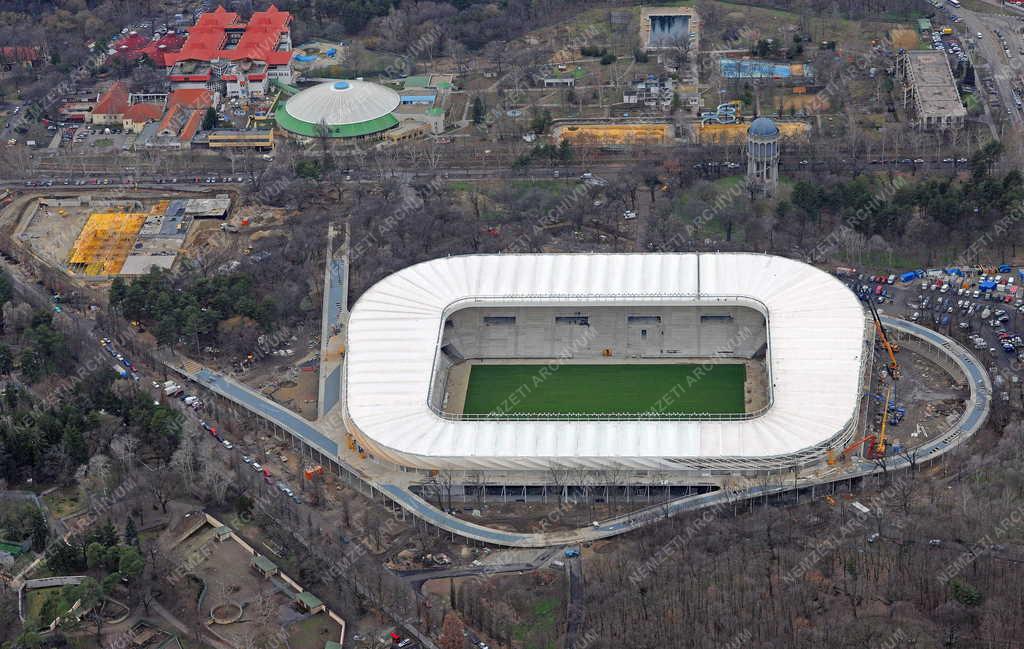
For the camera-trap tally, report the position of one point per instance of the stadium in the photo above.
(339, 109)
(685, 363)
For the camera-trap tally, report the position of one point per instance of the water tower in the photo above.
(762, 157)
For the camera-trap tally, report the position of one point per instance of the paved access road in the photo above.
(975, 415)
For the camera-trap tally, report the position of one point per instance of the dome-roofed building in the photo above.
(346, 109)
(763, 157)
(763, 126)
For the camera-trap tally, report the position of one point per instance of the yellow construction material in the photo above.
(737, 133)
(105, 241)
(615, 133)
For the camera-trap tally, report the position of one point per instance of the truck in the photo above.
(122, 372)
(173, 389)
(571, 553)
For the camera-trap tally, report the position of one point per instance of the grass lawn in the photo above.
(595, 389)
(542, 616)
(63, 502)
(36, 600)
(314, 631)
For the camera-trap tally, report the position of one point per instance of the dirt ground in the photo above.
(930, 396)
(230, 580)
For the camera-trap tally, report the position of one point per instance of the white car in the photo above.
(629, 214)
(228, 445)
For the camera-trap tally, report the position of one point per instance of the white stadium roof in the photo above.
(343, 102)
(815, 332)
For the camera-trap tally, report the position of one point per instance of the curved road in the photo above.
(976, 413)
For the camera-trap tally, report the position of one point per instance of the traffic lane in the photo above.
(270, 410)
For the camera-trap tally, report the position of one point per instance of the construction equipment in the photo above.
(892, 349)
(867, 439)
(880, 447)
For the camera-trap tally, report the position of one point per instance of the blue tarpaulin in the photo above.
(987, 286)
(908, 277)
(1004, 268)
(956, 271)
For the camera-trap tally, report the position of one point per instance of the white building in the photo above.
(806, 325)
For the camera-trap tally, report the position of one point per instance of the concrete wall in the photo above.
(629, 332)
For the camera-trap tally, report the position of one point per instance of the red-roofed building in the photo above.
(20, 54)
(222, 51)
(138, 115)
(134, 47)
(111, 105)
(177, 128)
(195, 98)
(13, 57)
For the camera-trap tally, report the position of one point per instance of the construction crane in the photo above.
(832, 459)
(876, 443)
(891, 348)
(880, 447)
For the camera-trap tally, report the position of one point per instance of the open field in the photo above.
(597, 389)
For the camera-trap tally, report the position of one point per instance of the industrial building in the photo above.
(802, 325)
(929, 90)
(236, 58)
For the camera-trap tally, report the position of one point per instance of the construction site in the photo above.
(712, 133)
(101, 237)
(614, 133)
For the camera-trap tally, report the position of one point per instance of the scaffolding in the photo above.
(105, 241)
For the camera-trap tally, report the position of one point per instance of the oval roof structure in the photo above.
(348, 108)
(816, 332)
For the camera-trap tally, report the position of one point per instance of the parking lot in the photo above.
(985, 312)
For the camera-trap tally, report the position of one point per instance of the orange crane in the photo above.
(892, 349)
(876, 444)
(832, 459)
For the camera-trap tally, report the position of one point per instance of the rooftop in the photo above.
(934, 84)
(263, 563)
(815, 328)
(221, 34)
(309, 600)
(114, 101)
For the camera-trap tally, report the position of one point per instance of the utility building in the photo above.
(763, 157)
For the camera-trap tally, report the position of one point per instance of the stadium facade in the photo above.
(407, 332)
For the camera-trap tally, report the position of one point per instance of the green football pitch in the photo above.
(602, 389)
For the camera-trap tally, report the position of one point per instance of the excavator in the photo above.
(890, 347)
(876, 443)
